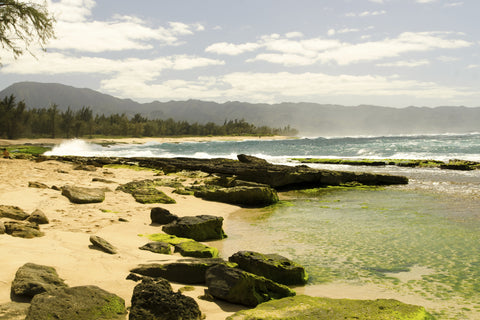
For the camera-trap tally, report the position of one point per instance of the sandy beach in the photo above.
(65, 245)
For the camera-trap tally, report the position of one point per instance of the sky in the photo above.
(394, 53)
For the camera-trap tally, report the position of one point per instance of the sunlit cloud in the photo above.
(405, 63)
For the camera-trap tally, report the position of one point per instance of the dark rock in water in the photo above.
(158, 247)
(36, 184)
(250, 159)
(13, 212)
(38, 217)
(247, 196)
(199, 228)
(23, 229)
(241, 287)
(186, 271)
(79, 303)
(82, 195)
(102, 244)
(154, 299)
(317, 308)
(196, 250)
(271, 266)
(162, 216)
(32, 279)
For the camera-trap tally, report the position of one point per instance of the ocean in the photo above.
(418, 243)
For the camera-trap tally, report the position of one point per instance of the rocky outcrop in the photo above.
(81, 195)
(155, 299)
(145, 191)
(162, 216)
(244, 195)
(79, 303)
(23, 229)
(102, 244)
(276, 176)
(199, 228)
(271, 266)
(316, 308)
(38, 217)
(186, 271)
(13, 212)
(158, 247)
(240, 287)
(32, 279)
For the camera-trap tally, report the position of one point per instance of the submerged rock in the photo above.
(241, 287)
(32, 279)
(271, 266)
(199, 228)
(154, 299)
(79, 303)
(81, 195)
(315, 308)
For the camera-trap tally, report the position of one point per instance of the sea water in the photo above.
(418, 243)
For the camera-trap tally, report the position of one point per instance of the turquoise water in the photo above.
(375, 236)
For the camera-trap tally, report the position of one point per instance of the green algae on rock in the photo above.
(145, 191)
(304, 307)
(196, 250)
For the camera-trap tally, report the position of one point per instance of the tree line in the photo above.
(16, 121)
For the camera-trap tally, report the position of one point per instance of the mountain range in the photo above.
(311, 119)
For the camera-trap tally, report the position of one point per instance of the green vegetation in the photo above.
(28, 149)
(50, 122)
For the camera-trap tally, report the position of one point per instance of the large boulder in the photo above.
(186, 271)
(32, 279)
(13, 212)
(241, 287)
(154, 299)
(271, 266)
(23, 229)
(38, 217)
(145, 191)
(162, 216)
(242, 195)
(315, 308)
(196, 249)
(199, 228)
(83, 195)
(79, 303)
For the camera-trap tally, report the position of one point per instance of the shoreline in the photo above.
(143, 140)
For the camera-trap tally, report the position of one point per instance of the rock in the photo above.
(247, 196)
(79, 303)
(241, 287)
(32, 279)
(158, 247)
(12, 212)
(186, 271)
(316, 308)
(250, 159)
(85, 167)
(13, 311)
(23, 229)
(2, 228)
(199, 228)
(145, 191)
(271, 266)
(162, 216)
(38, 217)
(196, 250)
(155, 300)
(102, 244)
(82, 195)
(39, 185)
(102, 180)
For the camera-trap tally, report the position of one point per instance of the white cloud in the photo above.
(231, 49)
(366, 13)
(473, 66)
(425, 1)
(405, 63)
(454, 4)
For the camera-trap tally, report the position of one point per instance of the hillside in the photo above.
(309, 118)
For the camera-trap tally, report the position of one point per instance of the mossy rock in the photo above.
(170, 239)
(246, 196)
(304, 307)
(196, 250)
(151, 195)
(199, 228)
